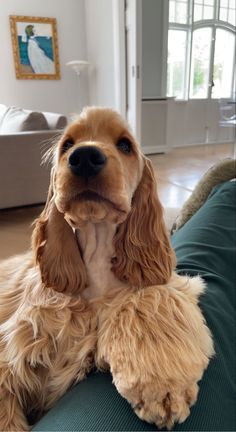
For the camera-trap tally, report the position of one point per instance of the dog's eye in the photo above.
(67, 144)
(124, 145)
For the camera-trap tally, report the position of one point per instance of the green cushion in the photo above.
(206, 246)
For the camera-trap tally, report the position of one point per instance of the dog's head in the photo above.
(98, 167)
(99, 174)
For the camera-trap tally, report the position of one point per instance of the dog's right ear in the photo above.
(56, 250)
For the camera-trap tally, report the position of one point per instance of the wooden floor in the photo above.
(179, 171)
(177, 174)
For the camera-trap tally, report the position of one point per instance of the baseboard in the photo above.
(203, 143)
(148, 150)
(155, 149)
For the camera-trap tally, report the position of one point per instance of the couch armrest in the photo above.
(23, 180)
(40, 135)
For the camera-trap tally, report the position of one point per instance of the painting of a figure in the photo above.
(35, 47)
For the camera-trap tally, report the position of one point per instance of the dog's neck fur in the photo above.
(97, 250)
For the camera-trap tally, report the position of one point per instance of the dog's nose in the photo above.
(87, 161)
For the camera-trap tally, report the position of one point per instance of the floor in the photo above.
(177, 174)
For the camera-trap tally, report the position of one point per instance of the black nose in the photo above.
(87, 161)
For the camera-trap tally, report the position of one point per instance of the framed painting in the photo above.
(35, 47)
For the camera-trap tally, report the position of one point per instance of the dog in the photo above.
(98, 287)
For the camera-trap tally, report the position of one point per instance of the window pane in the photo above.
(177, 40)
(223, 64)
(223, 14)
(200, 62)
(172, 11)
(203, 10)
(181, 13)
(208, 12)
(197, 12)
(228, 11)
(232, 17)
(224, 3)
(178, 11)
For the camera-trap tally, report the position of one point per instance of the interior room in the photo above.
(166, 66)
(151, 62)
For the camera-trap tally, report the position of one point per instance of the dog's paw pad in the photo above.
(174, 407)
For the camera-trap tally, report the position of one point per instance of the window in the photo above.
(223, 64)
(176, 63)
(178, 11)
(203, 9)
(200, 63)
(201, 48)
(228, 11)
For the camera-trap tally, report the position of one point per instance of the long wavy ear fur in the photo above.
(56, 250)
(144, 255)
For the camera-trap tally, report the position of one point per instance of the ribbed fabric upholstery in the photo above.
(205, 246)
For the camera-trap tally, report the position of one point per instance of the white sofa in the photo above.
(24, 138)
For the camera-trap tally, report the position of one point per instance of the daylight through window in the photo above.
(201, 49)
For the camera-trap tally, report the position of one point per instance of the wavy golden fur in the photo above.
(99, 288)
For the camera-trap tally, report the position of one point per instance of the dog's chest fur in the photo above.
(97, 248)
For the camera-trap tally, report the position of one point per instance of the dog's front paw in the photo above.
(157, 346)
(165, 409)
(157, 399)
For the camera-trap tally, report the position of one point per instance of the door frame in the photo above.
(118, 7)
(125, 74)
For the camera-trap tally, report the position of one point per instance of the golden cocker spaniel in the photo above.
(99, 287)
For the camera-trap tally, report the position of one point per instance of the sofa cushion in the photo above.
(55, 121)
(20, 120)
(3, 110)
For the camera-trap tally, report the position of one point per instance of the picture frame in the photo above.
(35, 47)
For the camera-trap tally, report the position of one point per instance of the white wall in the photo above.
(100, 30)
(48, 95)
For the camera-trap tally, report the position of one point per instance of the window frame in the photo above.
(190, 27)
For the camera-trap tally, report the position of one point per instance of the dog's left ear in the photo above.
(56, 250)
(144, 255)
